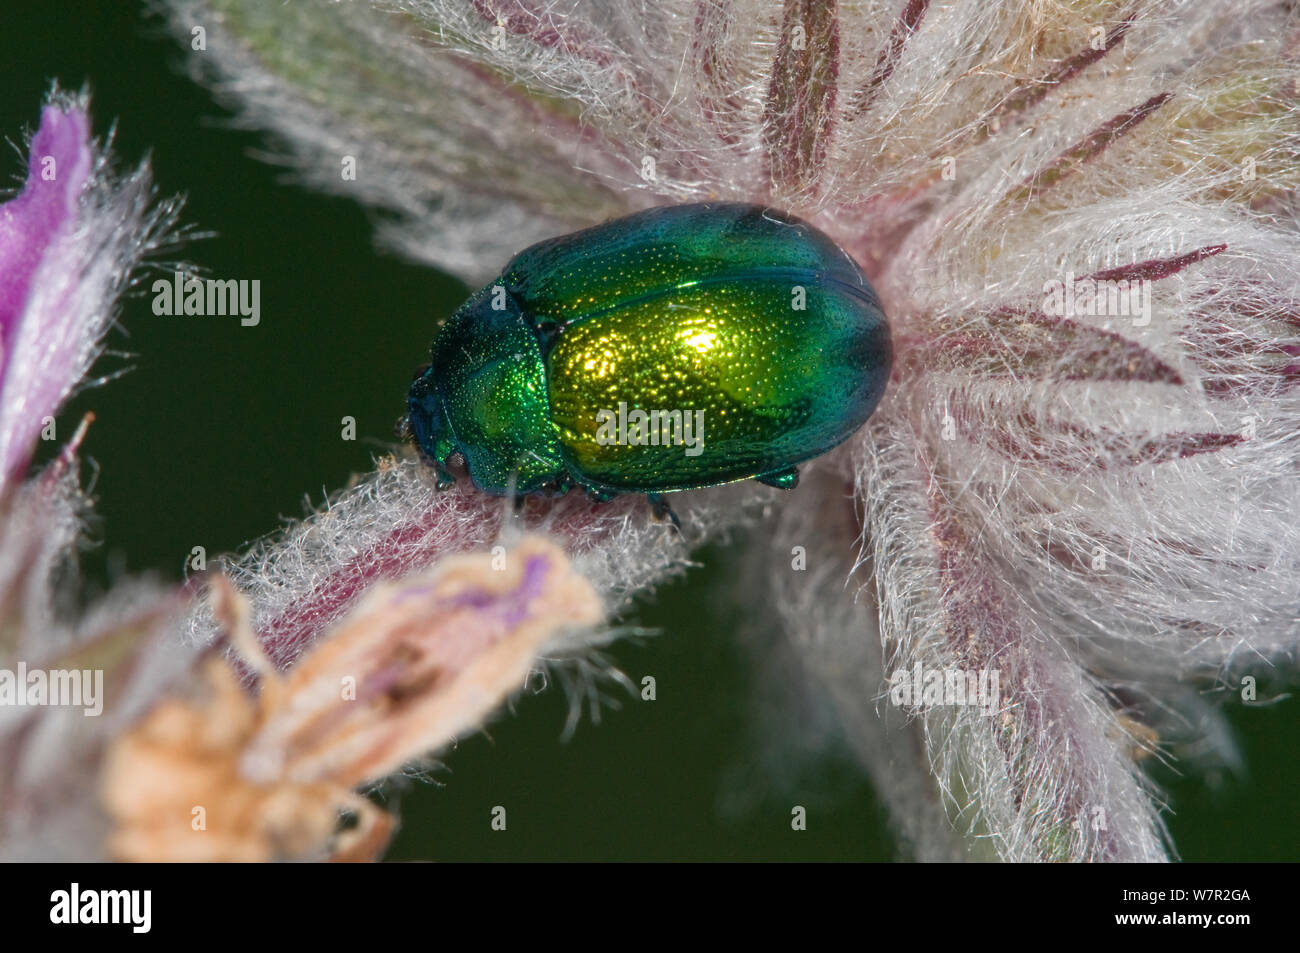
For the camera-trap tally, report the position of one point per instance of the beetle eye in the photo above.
(419, 371)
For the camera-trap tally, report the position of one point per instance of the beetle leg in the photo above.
(445, 479)
(660, 508)
(553, 488)
(786, 479)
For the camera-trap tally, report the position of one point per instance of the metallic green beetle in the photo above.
(680, 347)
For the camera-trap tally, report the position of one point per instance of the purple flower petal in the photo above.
(69, 243)
(36, 241)
(57, 169)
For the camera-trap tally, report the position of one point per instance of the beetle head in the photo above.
(427, 423)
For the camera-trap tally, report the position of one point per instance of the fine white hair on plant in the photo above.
(308, 575)
(1081, 219)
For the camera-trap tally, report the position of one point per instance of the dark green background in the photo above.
(218, 431)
